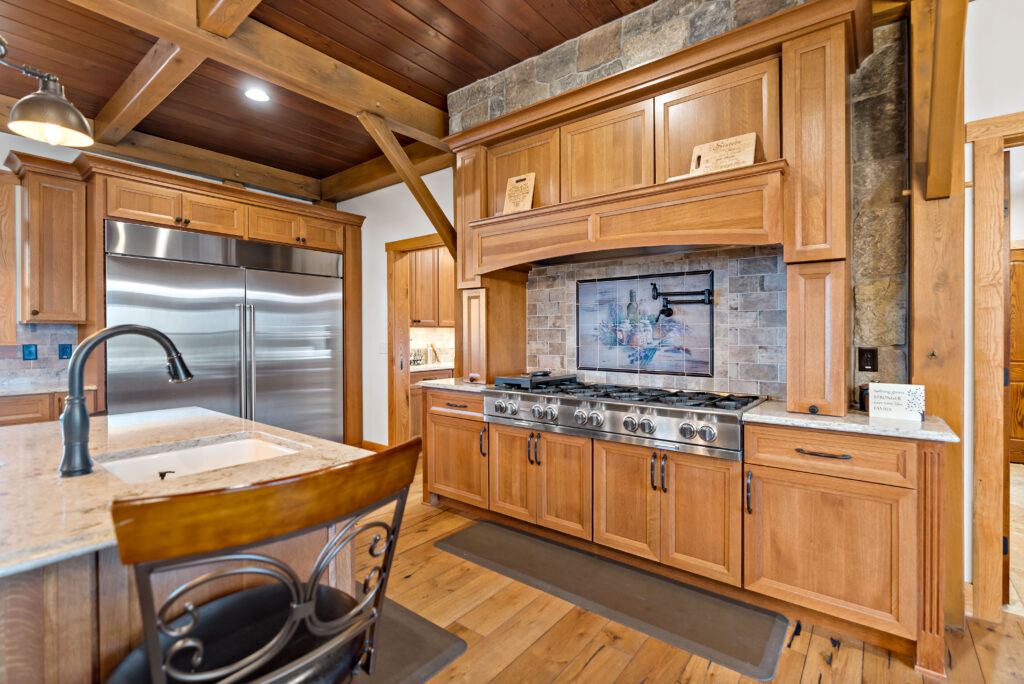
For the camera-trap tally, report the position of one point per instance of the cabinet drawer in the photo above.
(417, 376)
(29, 408)
(856, 457)
(462, 404)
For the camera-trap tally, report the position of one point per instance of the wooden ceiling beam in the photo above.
(379, 173)
(392, 149)
(947, 67)
(162, 70)
(263, 52)
(223, 16)
(174, 156)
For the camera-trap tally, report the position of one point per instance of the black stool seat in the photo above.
(238, 624)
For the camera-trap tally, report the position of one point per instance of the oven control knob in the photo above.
(537, 411)
(648, 426)
(580, 417)
(707, 433)
(551, 413)
(596, 419)
(513, 408)
(687, 431)
(499, 406)
(630, 423)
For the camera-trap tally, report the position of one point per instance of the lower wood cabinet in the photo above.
(678, 509)
(457, 459)
(839, 546)
(542, 478)
(38, 408)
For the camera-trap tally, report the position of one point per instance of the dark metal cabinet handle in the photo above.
(482, 431)
(528, 456)
(303, 240)
(654, 457)
(35, 312)
(664, 458)
(187, 221)
(448, 403)
(177, 219)
(750, 474)
(822, 454)
(415, 320)
(536, 441)
(298, 239)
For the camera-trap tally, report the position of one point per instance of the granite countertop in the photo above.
(21, 389)
(774, 413)
(456, 384)
(45, 518)
(424, 367)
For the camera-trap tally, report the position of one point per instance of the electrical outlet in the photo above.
(867, 359)
(63, 351)
(29, 352)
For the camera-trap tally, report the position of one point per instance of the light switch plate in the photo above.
(867, 359)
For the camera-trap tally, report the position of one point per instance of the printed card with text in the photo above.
(898, 402)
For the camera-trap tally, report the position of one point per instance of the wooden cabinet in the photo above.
(627, 499)
(537, 153)
(29, 408)
(609, 152)
(542, 478)
(701, 516)
(445, 288)
(814, 116)
(58, 399)
(423, 288)
(322, 234)
(742, 101)
(136, 201)
(53, 278)
(817, 358)
(456, 452)
(494, 329)
(271, 225)
(844, 548)
(213, 215)
(416, 397)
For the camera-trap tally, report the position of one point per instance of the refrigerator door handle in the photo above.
(252, 360)
(243, 381)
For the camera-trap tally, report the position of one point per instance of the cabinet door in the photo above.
(445, 288)
(626, 501)
(271, 225)
(30, 408)
(607, 153)
(213, 215)
(565, 484)
(817, 357)
(513, 475)
(136, 201)
(457, 466)
(701, 516)
(323, 234)
(423, 288)
(53, 256)
(844, 548)
(474, 333)
(537, 153)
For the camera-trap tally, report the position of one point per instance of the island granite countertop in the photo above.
(45, 518)
(933, 428)
(455, 384)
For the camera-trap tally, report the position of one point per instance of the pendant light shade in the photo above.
(46, 115)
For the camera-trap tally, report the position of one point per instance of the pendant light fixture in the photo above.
(46, 115)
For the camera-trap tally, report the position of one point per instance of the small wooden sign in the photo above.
(728, 153)
(519, 193)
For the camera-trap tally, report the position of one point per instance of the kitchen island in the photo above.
(68, 610)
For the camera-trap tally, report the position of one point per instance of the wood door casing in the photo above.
(537, 153)
(817, 357)
(845, 548)
(457, 468)
(271, 225)
(445, 288)
(626, 507)
(213, 215)
(565, 484)
(701, 516)
(1015, 391)
(423, 288)
(609, 152)
(135, 201)
(513, 489)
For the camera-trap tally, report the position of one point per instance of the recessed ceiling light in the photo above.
(257, 94)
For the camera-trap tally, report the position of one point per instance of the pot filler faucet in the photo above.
(75, 419)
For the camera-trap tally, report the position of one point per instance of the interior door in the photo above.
(627, 498)
(199, 307)
(565, 484)
(296, 352)
(512, 473)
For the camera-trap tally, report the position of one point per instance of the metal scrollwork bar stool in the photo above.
(286, 628)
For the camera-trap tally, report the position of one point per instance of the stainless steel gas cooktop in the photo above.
(709, 423)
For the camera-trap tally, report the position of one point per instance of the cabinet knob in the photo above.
(812, 409)
(187, 221)
(298, 239)
(177, 219)
(35, 312)
(303, 240)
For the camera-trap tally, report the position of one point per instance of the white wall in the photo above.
(391, 214)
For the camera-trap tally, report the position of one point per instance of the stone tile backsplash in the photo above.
(749, 318)
(47, 369)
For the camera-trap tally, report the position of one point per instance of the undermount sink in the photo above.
(166, 461)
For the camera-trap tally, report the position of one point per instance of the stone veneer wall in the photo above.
(878, 163)
(48, 369)
(749, 318)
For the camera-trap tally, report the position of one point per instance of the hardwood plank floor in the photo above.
(516, 633)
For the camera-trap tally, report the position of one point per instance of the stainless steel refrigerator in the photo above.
(260, 326)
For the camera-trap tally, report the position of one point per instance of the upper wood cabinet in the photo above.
(814, 120)
(322, 234)
(537, 153)
(212, 215)
(445, 288)
(423, 288)
(136, 201)
(610, 152)
(53, 277)
(271, 225)
(494, 329)
(742, 101)
(817, 358)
